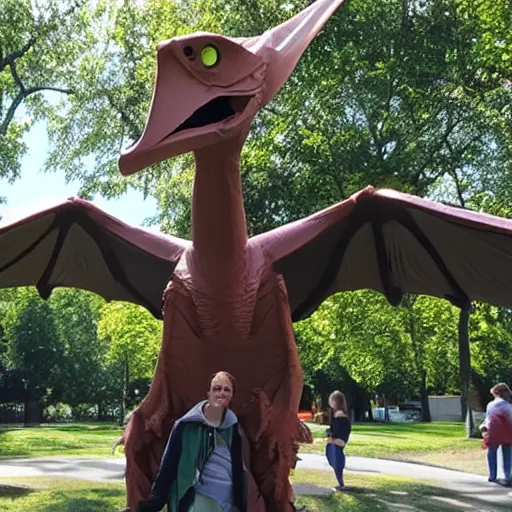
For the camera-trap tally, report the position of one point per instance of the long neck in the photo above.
(219, 230)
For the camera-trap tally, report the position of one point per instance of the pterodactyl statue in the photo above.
(231, 301)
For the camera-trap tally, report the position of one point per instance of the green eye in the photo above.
(210, 56)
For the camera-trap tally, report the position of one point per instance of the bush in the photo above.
(85, 412)
(58, 413)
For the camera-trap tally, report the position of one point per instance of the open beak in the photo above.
(208, 88)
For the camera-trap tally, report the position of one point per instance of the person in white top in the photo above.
(499, 433)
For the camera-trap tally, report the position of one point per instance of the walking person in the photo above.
(338, 435)
(497, 431)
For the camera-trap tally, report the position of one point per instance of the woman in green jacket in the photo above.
(202, 469)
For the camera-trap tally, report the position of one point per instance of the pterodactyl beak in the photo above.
(208, 88)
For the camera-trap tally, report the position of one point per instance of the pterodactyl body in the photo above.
(231, 300)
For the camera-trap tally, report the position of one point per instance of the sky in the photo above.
(36, 190)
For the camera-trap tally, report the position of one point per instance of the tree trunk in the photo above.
(126, 380)
(32, 413)
(418, 358)
(465, 369)
(425, 405)
(370, 412)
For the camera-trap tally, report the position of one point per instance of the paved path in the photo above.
(466, 484)
(112, 469)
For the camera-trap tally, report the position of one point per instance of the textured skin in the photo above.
(264, 358)
(224, 309)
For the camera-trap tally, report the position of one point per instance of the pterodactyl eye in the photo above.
(210, 56)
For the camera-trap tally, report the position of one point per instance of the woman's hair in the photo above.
(228, 376)
(503, 391)
(339, 399)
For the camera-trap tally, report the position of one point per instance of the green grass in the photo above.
(378, 493)
(379, 440)
(439, 444)
(74, 439)
(59, 495)
(367, 494)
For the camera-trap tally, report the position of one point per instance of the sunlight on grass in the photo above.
(76, 439)
(365, 494)
(61, 495)
(384, 493)
(439, 444)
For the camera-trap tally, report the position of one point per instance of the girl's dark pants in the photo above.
(336, 458)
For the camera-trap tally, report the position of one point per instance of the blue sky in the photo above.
(36, 190)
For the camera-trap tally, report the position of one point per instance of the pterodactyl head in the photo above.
(208, 88)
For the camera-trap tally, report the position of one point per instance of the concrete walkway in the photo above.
(466, 485)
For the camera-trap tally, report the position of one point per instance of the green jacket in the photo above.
(190, 444)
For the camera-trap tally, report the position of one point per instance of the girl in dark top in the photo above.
(338, 435)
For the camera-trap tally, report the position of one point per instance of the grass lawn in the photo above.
(368, 494)
(439, 443)
(73, 439)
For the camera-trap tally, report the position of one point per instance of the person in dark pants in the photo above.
(338, 435)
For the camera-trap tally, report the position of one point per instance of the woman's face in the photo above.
(221, 392)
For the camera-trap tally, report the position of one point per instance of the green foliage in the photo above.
(436, 329)
(362, 333)
(58, 413)
(74, 348)
(42, 45)
(34, 347)
(131, 334)
(76, 314)
(401, 94)
(491, 336)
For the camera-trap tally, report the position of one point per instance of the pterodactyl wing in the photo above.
(75, 244)
(393, 243)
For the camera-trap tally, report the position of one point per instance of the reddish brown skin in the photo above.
(225, 308)
(234, 317)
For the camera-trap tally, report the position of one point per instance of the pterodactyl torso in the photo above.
(225, 308)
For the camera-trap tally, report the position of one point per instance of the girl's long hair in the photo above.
(339, 399)
(503, 391)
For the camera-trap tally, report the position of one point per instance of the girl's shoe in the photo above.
(339, 488)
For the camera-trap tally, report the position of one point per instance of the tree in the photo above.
(76, 314)
(367, 337)
(491, 347)
(132, 338)
(43, 45)
(34, 349)
(397, 93)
